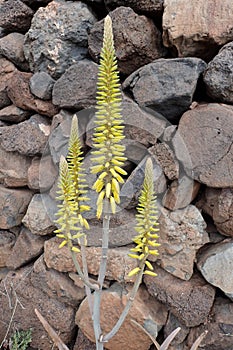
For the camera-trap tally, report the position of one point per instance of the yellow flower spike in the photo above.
(148, 264)
(113, 204)
(108, 190)
(150, 273)
(134, 272)
(134, 256)
(119, 170)
(63, 243)
(75, 249)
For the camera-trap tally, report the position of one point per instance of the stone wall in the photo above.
(175, 60)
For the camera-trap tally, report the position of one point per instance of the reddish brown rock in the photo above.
(7, 241)
(166, 159)
(145, 310)
(14, 168)
(20, 94)
(13, 205)
(14, 114)
(59, 315)
(223, 212)
(118, 263)
(26, 248)
(181, 234)
(6, 71)
(137, 40)
(219, 327)
(42, 173)
(27, 138)
(203, 143)
(194, 29)
(15, 16)
(190, 301)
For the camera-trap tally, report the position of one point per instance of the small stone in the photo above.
(218, 75)
(144, 41)
(194, 29)
(213, 261)
(152, 8)
(76, 88)
(83, 343)
(14, 114)
(19, 92)
(28, 138)
(223, 212)
(6, 71)
(14, 168)
(11, 47)
(41, 85)
(37, 219)
(119, 264)
(63, 28)
(15, 16)
(27, 247)
(166, 85)
(203, 143)
(13, 205)
(42, 173)
(173, 323)
(145, 310)
(7, 241)
(190, 301)
(181, 234)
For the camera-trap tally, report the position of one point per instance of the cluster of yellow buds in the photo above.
(147, 225)
(109, 153)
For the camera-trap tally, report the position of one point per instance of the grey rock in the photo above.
(203, 143)
(11, 47)
(144, 41)
(7, 242)
(29, 245)
(76, 88)
(215, 263)
(15, 16)
(172, 323)
(148, 7)
(13, 205)
(42, 173)
(219, 74)
(14, 168)
(166, 85)
(63, 28)
(14, 114)
(223, 212)
(37, 219)
(181, 234)
(28, 137)
(131, 190)
(190, 301)
(6, 71)
(41, 85)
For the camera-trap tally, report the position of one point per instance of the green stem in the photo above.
(102, 272)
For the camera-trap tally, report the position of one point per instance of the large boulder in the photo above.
(194, 29)
(62, 41)
(136, 39)
(166, 85)
(203, 143)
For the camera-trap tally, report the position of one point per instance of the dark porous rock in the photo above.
(27, 247)
(15, 16)
(148, 7)
(172, 323)
(21, 96)
(131, 190)
(215, 264)
(166, 159)
(181, 234)
(219, 328)
(219, 74)
(37, 219)
(83, 343)
(63, 28)
(42, 173)
(55, 284)
(145, 310)
(181, 193)
(190, 301)
(28, 138)
(203, 143)
(137, 40)
(14, 114)
(208, 199)
(76, 88)
(14, 168)
(194, 29)
(11, 47)
(41, 85)
(13, 205)
(6, 71)
(59, 315)
(166, 85)
(7, 242)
